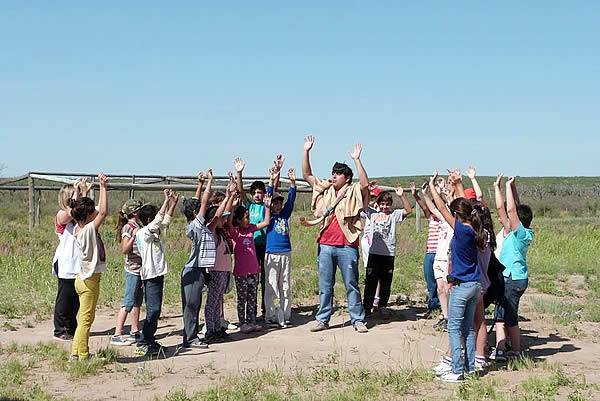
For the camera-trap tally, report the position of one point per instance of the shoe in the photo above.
(480, 363)
(514, 355)
(196, 343)
(231, 326)
(135, 337)
(148, 349)
(120, 341)
(223, 335)
(213, 338)
(73, 358)
(256, 327)
(361, 327)
(445, 366)
(385, 313)
(65, 338)
(376, 301)
(441, 325)
(271, 323)
(498, 355)
(226, 324)
(288, 323)
(318, 326)
(451, 377)
(246, 328)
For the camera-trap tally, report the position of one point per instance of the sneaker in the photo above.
(361, 327)
(223, 335)
(246, 328)
(147, 349)
(451, 377)
(514, 355)
(135, 337)
(445, 366)
(385, 313)
(318, 326)
(498, 355)
(376, 301)
(271, 323)
(288, 323)
(63, 337)
(120, 341)
(226, 324)
(480, 363)
(73, 358)
(256, 327)
(213, 338)
(441, 325)
(196, 343)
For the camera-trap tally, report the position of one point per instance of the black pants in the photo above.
(380, 269)
(66, 307)
(260, 256)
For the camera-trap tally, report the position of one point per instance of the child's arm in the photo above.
(278, 162)
(422, 204)
(471, 174)
(239, 165)
(288, 208)
(500, 204)
(206, 195)
(515, 194)
(273, 180)
(455, 178)
(405, 205)
(267, 220)
(102, 202)
(225, 203)
(198, 193)
(363, 179)
(155, 224)
(511, 206)
(441, 206)
(173, 198)
(309, 141)
(432, 207)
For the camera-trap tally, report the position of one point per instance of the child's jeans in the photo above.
(461, 311)
(508, 312)
(278, 270)
(380, 269)
(433, 302)
(153, 289)
(192, 281)
(214, 299)
(246, 286)
(88, 291)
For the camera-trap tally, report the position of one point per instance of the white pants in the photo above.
(277, 271)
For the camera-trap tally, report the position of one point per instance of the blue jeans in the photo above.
(134, 293)
(346, 258)
(433, 302)
(153, 288)
(461, 311)
(508, 312)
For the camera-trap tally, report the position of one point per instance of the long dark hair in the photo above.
(81, 208)
(486, 220)
(464, 211)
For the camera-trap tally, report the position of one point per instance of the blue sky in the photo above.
(163, 88)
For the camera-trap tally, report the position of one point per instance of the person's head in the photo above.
(277, 203)
(216, 197)
(257, 191)
(241, 218)
(341, 174)
(210, 214)
(64, 196)
(463, 210)
(128, 211)
(191, 208)
(146, 214)
(525, 215)
(83, 210)
(385, 201)
(374, 194)
(487, 221)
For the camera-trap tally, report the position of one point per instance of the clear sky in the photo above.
(159, 87)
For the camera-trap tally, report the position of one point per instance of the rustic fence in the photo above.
(132, 183)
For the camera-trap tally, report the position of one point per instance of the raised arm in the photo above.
(363, 179)
(273, 180)
(239, 165)
(267, 220)
(441, 206)
(309, 141)
(198, 193)
(511, 205)
(455, 178)
(503, 217)
(206, 195)
(155, 224)
(514, 192)
(472, 175)
(288, 208)
(422, 204)
(434, 211)
(103, 201)
(278, 165)
(174, 200)
(405, 205)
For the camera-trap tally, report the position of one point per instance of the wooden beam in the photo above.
(31, 188)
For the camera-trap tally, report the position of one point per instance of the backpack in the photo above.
(494, 294)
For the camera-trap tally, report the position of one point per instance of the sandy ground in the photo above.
(407, 340)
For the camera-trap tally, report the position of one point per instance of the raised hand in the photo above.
(168, 193)
(433, 178)
(399, 190)
(209, 173)
(267, 199)
(372, 185)
(239, 164)
(201, 177)
(273, 173)
(175, 197)
(102, 179)
(309, 141)
(498, 179)
(355, 152)
(292, 175)
(278, 162)
(510, 180)
(471, 173)
(413, 188)
(231, 187)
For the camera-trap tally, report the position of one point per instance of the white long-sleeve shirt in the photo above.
(154, 261)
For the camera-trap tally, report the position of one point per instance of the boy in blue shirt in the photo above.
(516, 220)
(278, 258)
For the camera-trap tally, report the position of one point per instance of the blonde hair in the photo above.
(64, 196)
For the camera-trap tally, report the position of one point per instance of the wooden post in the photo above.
(132, 191)
(418, 216)
(38, 209)
(31, 202)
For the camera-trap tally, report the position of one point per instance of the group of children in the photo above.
(461, 246)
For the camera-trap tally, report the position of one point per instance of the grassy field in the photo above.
(562, 260)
